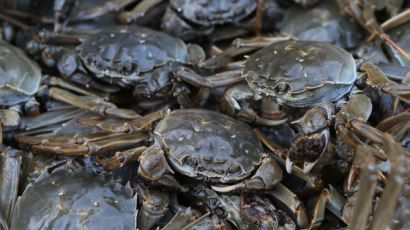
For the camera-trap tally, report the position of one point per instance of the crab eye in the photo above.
(192, 162)
(234, 168)
(219, 212)
(282, 88)
(129, 68)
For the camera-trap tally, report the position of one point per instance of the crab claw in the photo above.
(266, 176)
(307, 166)
(307, 150)
(289, 165)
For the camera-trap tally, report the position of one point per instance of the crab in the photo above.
(271, 78)
(152, 62)
(181, 14)
(245, 211)
(190, 19)
(239, 151)
(20, 80)
(217, 149)
(364, 12)
(75, 198)
(360, 204)
(203, 145)
(10, 162)
(308, 74)
(322, 23)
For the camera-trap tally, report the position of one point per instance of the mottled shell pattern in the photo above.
(124, 53)
(20, 76)
(209, 145)
(301, 73)
(212, 12)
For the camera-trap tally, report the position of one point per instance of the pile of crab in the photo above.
(193, 114)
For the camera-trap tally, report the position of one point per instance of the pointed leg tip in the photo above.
(289, 165)
(307, 167)
(222, 189)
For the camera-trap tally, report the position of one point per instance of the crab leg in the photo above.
(389, 122)
(250, 116)
(225, 58)
(99, 11)
(228, 32)
(231, 106)
(377, 136)
(397, 20)
(120, 158)
(69, 37)
(134, 126)
(367, 186)
(89, 83)
(102, 144)
(318, 214)
(8, 118)
(400, 91)
(182, 218)
(366, 18)
(396, 180)
(258, 42)
(63, 140)
(201, 97)
(1, 131)
(217, 80)
(266, 176)
(154, 167)
(290, 202)
(54, 81)
(3, 222)
(50, 118)
(99, 108)
(375, 77)
(394, 72)
(154, 206)
(234, 94)
(138, 11)
(367, 131)
(330, 199)
(258, 21)
(399, 131)
(62, 10)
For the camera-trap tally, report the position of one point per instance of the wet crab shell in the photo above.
(20, 76)
(124, 53)
(301, 73)
(324, 23)
(75, 199)
(207, 13)
(208, 145)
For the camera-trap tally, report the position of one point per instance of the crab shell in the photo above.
(20, 76)
(210, 146)
(301, 73)
(125, 53)
(212, 12)
(75, 199)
